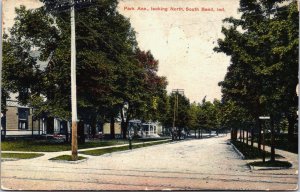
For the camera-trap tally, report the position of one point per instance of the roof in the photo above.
(14, 103)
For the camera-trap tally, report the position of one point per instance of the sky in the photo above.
(181, 34)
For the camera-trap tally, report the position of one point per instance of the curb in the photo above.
(267, 168)
(115, 146)
(69, 162)
(237, 151)
(258, 167)
(9, 159)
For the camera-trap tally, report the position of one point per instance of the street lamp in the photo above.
(62, 6)
(181, 92)
(129, 131)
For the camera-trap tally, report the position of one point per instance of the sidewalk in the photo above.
(48, 155)
(288, 156)
(199, 164)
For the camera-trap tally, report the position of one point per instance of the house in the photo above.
(18, 121)
(118, 131)
(148, 129)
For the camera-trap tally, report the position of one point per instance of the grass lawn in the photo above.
(250, 152)
(42, 145)
(271, 164)
(47, 146)
(283, 142)
(99, 152)
(21, 155)
(66, 158)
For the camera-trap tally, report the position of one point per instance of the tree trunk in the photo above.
(258, 125)
(112, 127)
(80, 132)
(272, 140)
(195, 133)
(233, 134)
(50, 125)
(247, 136)
(243, 135)
(3, 126)
(291, 127)
(93, 127)
(67, 133)
(252, 136)
(201, 133)
(240, 136)
(124, 129)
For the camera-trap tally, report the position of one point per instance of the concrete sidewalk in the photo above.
(202, 164)
(48, 155)
(288, 156)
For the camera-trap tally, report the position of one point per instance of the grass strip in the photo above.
(283, 142)
(66, 158)
(48, 146)
(36, 145)
(285, 164)
(98, 152)
(21, 155)
(251, 152)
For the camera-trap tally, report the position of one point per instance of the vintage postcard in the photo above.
(149, 95)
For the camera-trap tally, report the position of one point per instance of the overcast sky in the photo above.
(182, 41)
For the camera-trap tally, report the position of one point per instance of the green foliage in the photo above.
(111, 70)
(50, 146)
(181, 115)
(263, 44)
(250, 152)
(283, 164)
(66, 158)
(193, 113)
(99, 152)
(21, 155)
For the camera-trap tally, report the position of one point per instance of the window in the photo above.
(23, 114)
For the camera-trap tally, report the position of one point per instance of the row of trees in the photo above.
(262, 77)
(111, 69)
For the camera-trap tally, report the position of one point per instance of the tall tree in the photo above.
(261, 59)
(110, 67)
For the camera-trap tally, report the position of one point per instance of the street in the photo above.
(187, 165)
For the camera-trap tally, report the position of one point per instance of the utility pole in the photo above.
(176, 91)
(62, 6)
(73, 84)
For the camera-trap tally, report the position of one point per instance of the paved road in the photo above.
(190, 165)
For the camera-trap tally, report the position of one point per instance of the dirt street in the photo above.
(191, 165)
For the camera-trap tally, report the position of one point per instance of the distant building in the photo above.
(118, 131)
(150, 129)
(18, 120)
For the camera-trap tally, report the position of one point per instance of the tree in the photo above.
(260, 56)
(193, 114)
(110, 69)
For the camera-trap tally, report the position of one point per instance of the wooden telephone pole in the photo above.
(176, 91)
(62, 6)
(73, 84)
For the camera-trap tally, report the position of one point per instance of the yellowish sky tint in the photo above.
(182, 41)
